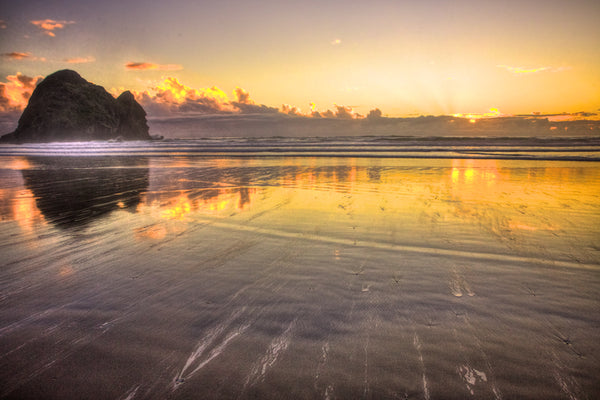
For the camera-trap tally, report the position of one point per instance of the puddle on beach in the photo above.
(186, 277)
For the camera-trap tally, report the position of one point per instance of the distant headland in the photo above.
(65, 107)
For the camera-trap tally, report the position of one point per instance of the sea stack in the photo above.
(65, 107)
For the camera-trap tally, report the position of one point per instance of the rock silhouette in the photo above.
(66, 107)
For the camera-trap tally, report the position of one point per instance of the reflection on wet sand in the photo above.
(73, 191)
(454, 201)
(454, 204)
(19, 205)
(300, 278)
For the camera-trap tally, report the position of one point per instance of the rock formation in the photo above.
(66, 107)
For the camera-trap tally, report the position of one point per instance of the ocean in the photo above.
(279, 268)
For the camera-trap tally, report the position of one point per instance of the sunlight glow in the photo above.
(473, 117)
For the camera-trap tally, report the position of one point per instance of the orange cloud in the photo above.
(292, 110)
(15, 93)
(2, 24)
(144, 66)
(245, 105)
(345, 112)
(80, 60)
(527, 70)
(171, 96)
(340, 112)
(49, 25)
(242, 96)
(16, 55)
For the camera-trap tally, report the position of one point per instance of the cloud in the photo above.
(145, 66)
(15, 93)
(532, 70)
(80, 60)
(340, 112)
(172, 98)
(375, 113)
(345, 112)
(242, 96)
(292, 110)
(574, 116)
(245, 108)
(261, 125)
(2, 24)
(49, 25)
(16, 55)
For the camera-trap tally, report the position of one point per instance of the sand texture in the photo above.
(298, 278)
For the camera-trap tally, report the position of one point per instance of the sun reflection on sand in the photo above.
(25, 211)
(179, 210)
(181, 205)
(19, 205)
(474, 172)
(174, 209)
(18, 163)
(341, 196)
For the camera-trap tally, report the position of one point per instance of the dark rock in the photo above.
(66, 107)
(132, 118)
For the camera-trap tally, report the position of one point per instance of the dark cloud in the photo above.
(280, 124)
(246, 108)
(585, 114)
(376, 113)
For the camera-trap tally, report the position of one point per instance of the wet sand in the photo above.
(271, 277)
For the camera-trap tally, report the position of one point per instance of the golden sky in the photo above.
(405, 58)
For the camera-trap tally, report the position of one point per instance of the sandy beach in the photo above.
(184, 277)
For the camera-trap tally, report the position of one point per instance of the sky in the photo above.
(399, 58)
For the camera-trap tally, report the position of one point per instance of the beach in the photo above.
(179, 273)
